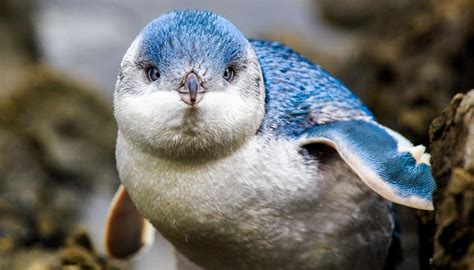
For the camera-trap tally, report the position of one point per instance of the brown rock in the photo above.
(79, 253)
(57, 140)
(452, 144)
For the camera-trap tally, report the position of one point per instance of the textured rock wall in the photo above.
(452, 146)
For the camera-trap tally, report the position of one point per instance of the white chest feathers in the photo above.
(257, 172)
(266, 202)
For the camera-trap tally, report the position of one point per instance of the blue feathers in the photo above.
(181, 37)
(386, 163)
(300, 94)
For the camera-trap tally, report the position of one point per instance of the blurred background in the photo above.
(59, 60)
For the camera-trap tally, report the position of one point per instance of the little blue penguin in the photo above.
(245, 155)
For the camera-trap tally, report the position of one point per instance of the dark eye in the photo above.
(228, 74)
(153, 74)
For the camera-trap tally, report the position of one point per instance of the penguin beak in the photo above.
(191, 91)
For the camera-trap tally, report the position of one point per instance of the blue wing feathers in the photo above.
(378, 150)
(300, 94)
(304, 102)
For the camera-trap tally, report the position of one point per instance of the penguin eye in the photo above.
(153, 74)
(228, 74)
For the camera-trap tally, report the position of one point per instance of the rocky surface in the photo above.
(56, 144)
(452, 144)
(76, 253)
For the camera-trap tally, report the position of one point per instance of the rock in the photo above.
(66, 124)
(57, 140)
(452, 148)
(31, 259)
(79, 253)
